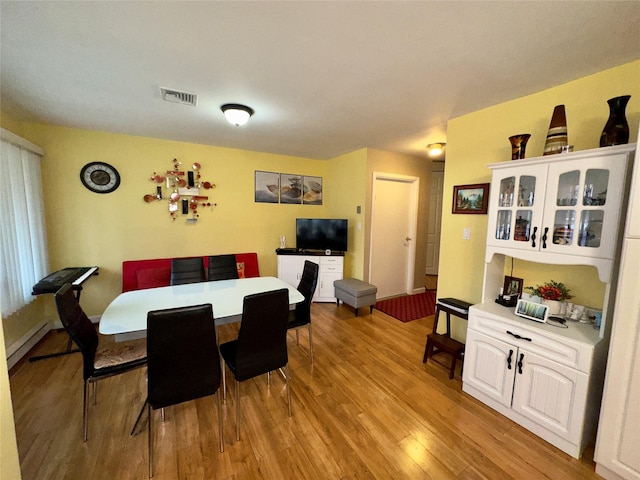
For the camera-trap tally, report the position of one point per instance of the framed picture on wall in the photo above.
(471, 198)
(312, 188)
(267, 187)
(290, 188)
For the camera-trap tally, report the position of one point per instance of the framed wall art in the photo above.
(471, 198)
(267, 187)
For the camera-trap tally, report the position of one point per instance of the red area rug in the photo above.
(409, 307)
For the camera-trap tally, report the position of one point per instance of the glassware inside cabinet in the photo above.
(563, 227)
(505, 198)
(521, 232)
(568, 188)
(595, 187)
(503, 226)
(590, 228)
(526, 191)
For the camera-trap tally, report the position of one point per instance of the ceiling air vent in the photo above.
(176, 96)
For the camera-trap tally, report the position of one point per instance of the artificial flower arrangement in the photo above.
(551, 290)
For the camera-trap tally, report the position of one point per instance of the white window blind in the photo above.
(23, 242)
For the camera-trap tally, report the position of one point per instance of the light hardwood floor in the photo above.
(368, 408)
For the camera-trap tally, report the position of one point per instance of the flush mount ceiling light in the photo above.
(436, 149)
(236, 114)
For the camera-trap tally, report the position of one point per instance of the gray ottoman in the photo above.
(355, 293)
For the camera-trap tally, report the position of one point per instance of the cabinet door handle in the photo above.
(534, 236)
(520, 363)
(509, 359)
(544, 237)
(518, 336)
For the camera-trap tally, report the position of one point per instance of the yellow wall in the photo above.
(85, 228)
(8, 446)
(480, 138)
(389, 162)
(348, 174)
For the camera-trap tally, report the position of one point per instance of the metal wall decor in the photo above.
(183, 189)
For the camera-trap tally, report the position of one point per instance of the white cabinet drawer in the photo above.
(331, 261)
(331, 264)
(547, 344)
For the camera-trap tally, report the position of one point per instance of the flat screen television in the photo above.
(321, 234)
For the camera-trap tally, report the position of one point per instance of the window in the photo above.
(23, 242)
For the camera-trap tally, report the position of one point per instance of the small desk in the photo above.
(126, 316)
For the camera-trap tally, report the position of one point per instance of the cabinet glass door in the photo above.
(594, 198)
(517, 207)
(583, 204)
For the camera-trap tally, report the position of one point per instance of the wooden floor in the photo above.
(368, 408)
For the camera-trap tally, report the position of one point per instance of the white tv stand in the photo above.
(290, 267)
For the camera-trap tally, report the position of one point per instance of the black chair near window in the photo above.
(183, 361)
(301, 315)
(98, 362)
(222, 267)
(187, 270)
(261, 346)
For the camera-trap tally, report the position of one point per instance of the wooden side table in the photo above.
(443, 343)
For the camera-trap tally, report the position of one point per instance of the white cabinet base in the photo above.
(330, 268)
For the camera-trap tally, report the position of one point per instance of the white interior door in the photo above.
(393, 227)
(435, 220)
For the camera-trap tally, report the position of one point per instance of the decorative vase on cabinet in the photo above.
(616, 130)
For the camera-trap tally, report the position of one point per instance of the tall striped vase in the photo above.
(557, 135)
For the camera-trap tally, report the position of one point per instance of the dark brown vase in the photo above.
(616, 131)
(518, 145)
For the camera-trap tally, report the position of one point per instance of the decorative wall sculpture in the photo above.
(184, 191)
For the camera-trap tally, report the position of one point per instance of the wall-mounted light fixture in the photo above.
(436, 149)
(236, 114)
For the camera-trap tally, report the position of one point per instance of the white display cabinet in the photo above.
(563, 209)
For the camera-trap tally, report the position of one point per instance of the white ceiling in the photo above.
(324, 78)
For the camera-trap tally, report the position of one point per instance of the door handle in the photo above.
(544, 237)
(520, 363)
(509, 359)
(533, 237)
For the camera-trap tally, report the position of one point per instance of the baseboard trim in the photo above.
(21, 347)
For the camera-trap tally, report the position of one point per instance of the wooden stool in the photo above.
(438, 343)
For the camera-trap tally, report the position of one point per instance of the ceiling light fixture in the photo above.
(436, 149)
(236, 114)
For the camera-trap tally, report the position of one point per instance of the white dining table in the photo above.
(126, 315)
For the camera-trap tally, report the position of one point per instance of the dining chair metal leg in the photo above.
(95, 392)
(310, 341)
(224, 385)
(221, 433)
(85, 411)
(150, 439)
(135, 425)
(286, 370)
(237, 410)
(268, 379)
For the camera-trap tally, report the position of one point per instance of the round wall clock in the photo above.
(100, 177)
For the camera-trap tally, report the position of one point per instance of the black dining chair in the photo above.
(183, 361)
(261, 346)
(98, 362)
(187, 270)
(222, 267)
(301, 315)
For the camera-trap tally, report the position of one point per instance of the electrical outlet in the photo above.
(466, 233)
